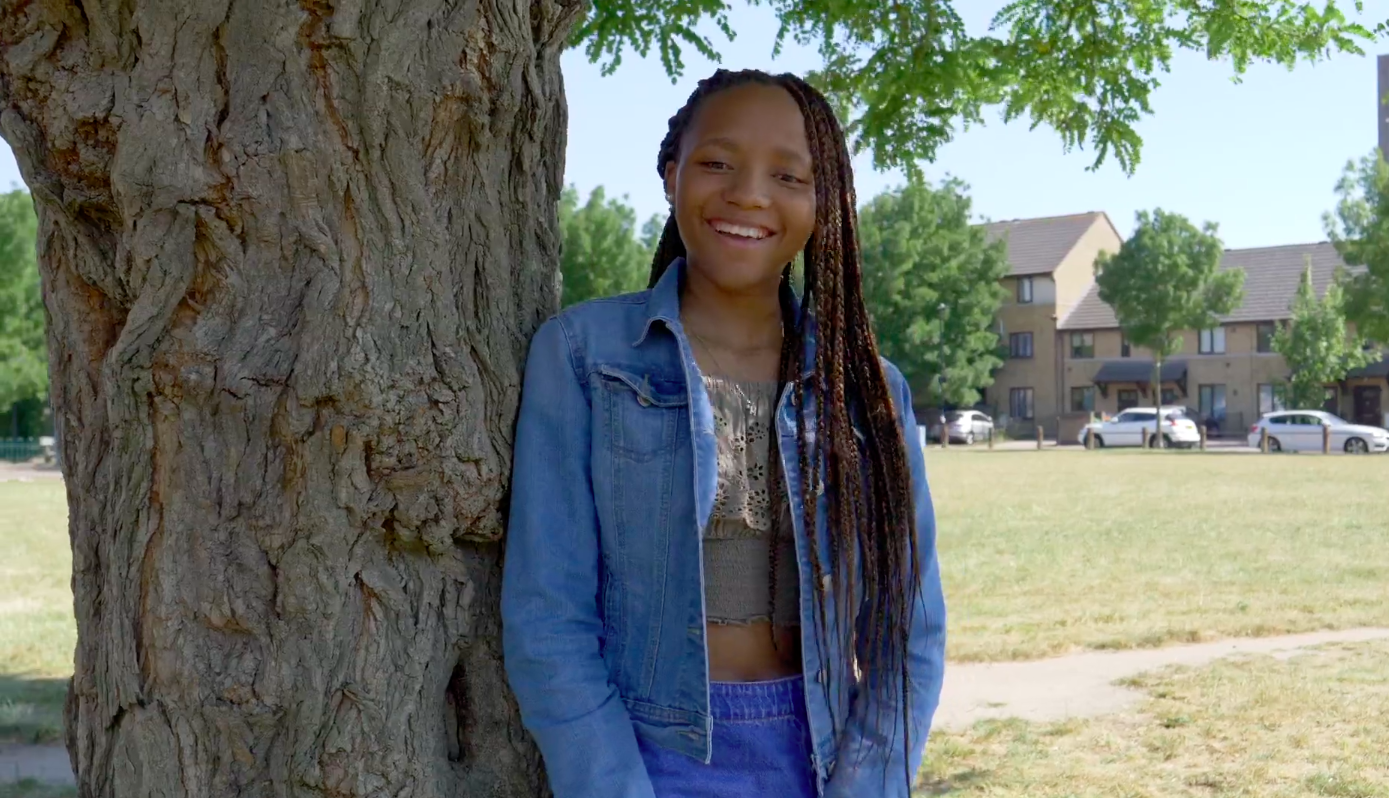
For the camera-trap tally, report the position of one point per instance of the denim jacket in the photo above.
(603, 620)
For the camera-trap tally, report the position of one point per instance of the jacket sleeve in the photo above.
(872, 756)
(551, 627)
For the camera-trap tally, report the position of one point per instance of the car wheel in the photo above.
(1356, 446)
(969, 438)
(1099, 441)
(1274, 445)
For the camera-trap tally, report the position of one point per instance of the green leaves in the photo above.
(1360, 230)
(23, 348)
(1316, 345)
(1167, 278)
(907, 74)
(600, 254)
(931, 283)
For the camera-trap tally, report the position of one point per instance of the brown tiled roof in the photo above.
(1037, 246)
(1271, 276)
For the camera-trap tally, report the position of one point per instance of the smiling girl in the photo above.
(721, 576)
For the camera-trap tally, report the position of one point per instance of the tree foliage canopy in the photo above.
(1166, 278)
(931, 282)
(1316, 344)
(905, 74)
(600, 254)
(23, 350)
(1359, 228)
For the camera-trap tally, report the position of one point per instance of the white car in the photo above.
(1129, 428)
(1301, 431)
(966, 426)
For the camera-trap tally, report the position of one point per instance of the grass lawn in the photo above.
(1257, 727)
(37, 630)
(1044, 552)
(32, 789)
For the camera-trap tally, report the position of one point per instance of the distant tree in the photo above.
(1316, 344)
(600, 254)
(1164, 279)
(931, 282)
(1359, 228)
(23, 350)
(651, 232)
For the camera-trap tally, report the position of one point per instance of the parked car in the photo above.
(966, 426)
(1129, 427)
(1301, 431)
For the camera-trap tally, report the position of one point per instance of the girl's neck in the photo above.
(735, 321)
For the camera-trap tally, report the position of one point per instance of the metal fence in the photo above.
(22, 450)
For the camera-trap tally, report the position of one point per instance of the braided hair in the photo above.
(871, 520)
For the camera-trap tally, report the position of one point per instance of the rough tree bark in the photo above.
(292, 252)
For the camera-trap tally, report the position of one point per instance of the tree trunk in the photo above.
(292, 253)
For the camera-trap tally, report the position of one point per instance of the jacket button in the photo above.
(820, 677)
(825, 581)
(643, 401)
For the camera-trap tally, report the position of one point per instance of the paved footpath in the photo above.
(26, 472)
(1083, 685)
(1080, 685)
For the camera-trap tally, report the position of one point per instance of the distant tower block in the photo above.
(1383, 105)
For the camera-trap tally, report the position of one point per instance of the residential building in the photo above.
(1228, 373)
(1051, 267)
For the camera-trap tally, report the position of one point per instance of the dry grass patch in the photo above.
(1061, 550)
(37, 631)
(1313, 724)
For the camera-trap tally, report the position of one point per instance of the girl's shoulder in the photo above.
(605, 331)
(605, 317)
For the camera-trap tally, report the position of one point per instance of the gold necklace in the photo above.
(710, 351)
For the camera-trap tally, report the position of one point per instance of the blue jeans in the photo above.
(761, 746)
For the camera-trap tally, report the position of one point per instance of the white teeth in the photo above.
(740, 231)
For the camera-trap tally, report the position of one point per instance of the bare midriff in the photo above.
(747, 653)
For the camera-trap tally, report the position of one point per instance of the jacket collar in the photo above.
(663, 305)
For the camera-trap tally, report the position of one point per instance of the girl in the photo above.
(720, 575)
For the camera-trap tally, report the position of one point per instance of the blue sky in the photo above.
(1259, 158)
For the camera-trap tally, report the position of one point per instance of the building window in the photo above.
(1212, 401)
(1020, 403)
(1267, 329)
(1024, 290)
(1270, 399)
(1169, 396)
(1124, 349)
(1020, 345)
(1083, 399)
(1213, 341)
(1082, 344)
(1128, 397)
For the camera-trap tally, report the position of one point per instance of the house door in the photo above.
(1366, 399)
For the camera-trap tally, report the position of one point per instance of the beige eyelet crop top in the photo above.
(750, 572)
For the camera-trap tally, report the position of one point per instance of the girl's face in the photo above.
(743, 187)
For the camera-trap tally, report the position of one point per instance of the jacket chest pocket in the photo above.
(646, 415)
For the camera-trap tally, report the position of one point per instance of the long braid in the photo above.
(871, 519)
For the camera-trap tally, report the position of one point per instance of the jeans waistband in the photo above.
(780, 698)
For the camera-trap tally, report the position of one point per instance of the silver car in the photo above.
(965, 426)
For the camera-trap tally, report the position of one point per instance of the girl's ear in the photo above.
(670, 183)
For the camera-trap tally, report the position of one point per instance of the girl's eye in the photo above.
(716, 165)
(789, 178)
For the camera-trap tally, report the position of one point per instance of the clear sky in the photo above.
(1259, 158)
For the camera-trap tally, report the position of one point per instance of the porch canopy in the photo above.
(1378, 370)
(1139, 373)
